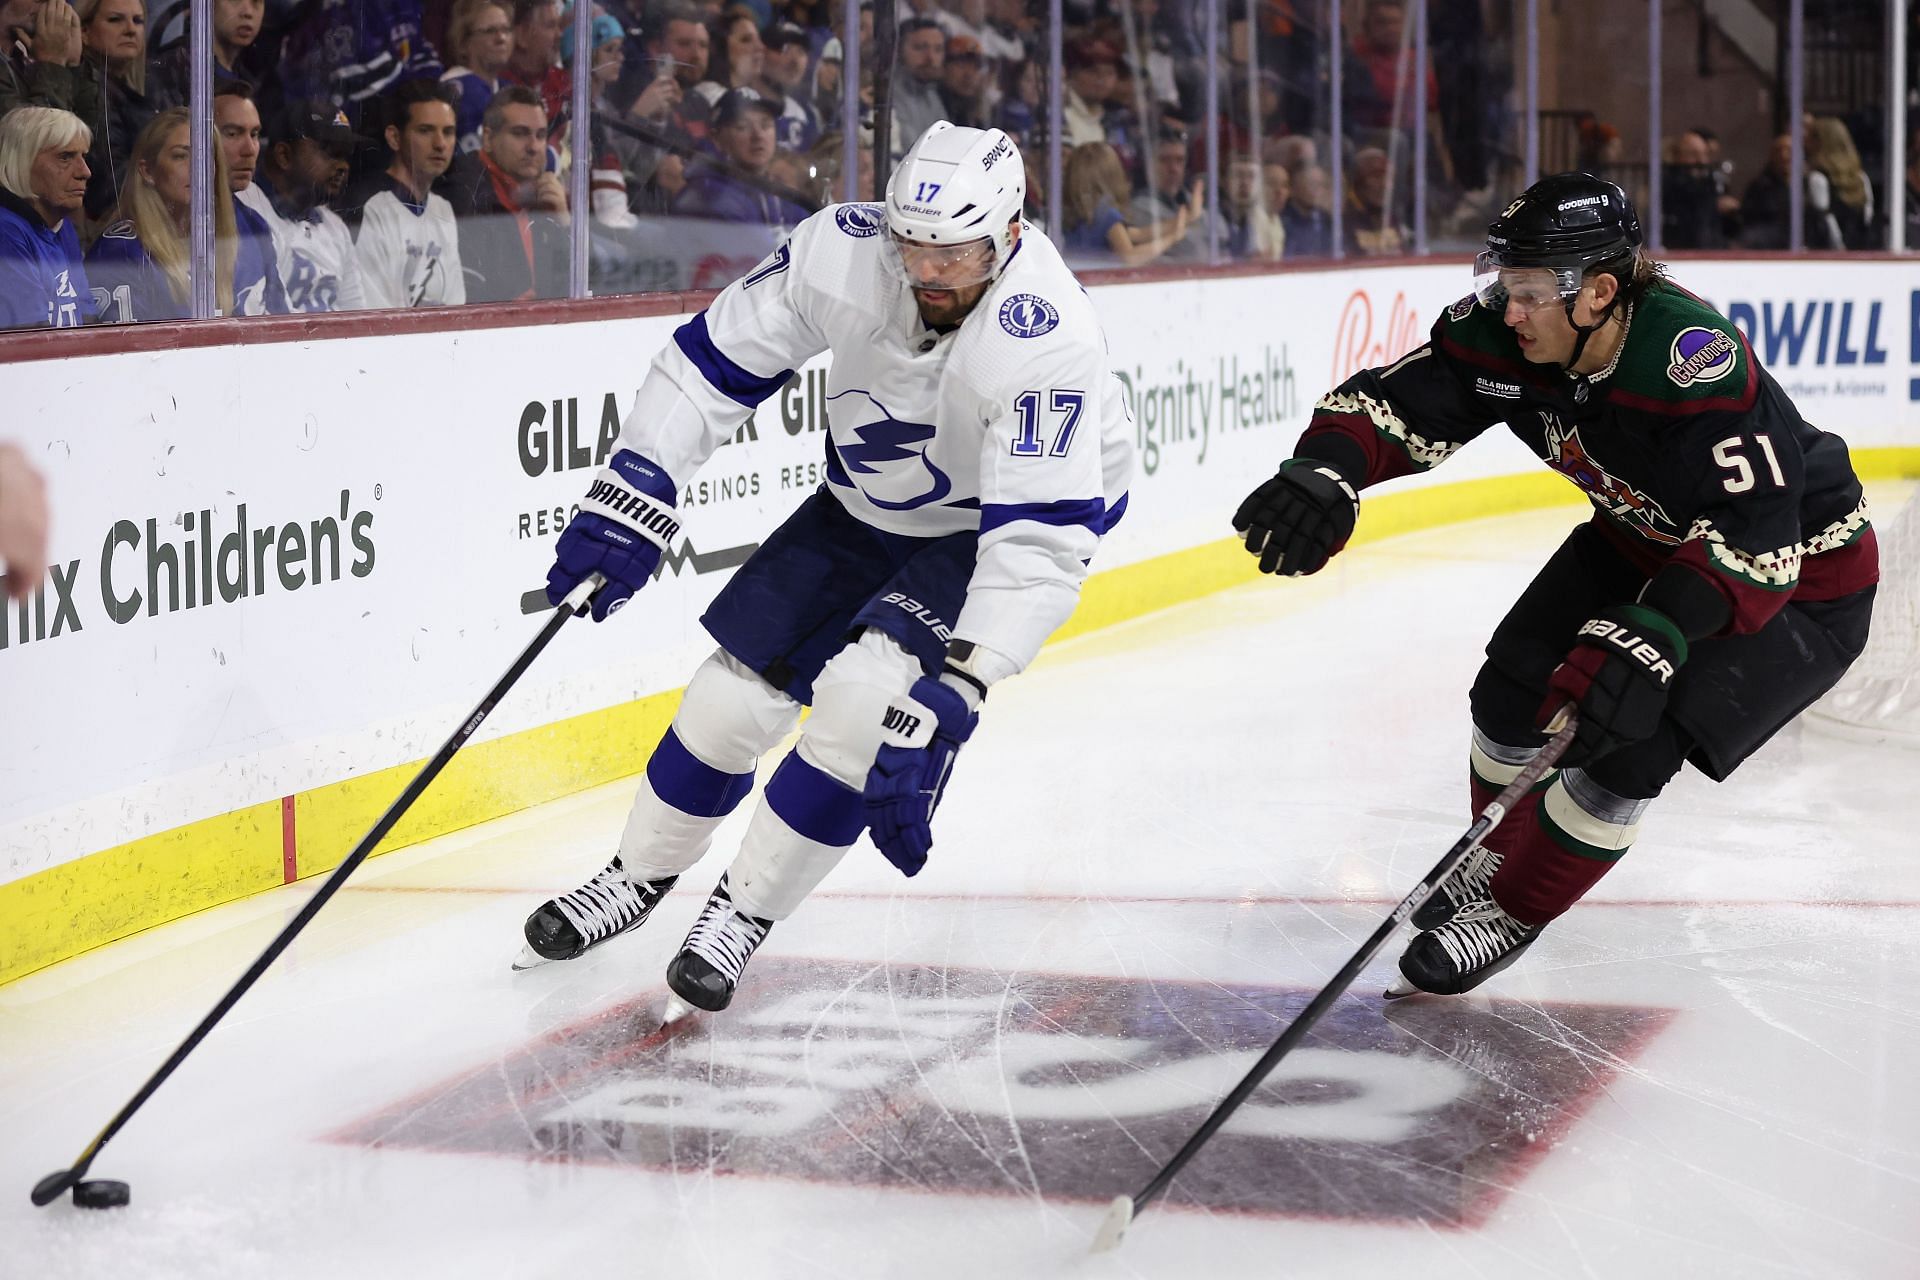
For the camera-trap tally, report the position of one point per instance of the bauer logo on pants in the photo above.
(951, 1080)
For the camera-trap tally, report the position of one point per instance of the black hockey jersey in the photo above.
(1687, 448)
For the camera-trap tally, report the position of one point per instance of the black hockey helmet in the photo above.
(1569, 224)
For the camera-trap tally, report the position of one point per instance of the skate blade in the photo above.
(1113, 1227)
(530, 959)
(1399, 989)
(677, 1010)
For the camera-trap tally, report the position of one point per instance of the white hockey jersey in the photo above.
(315, 254)
(1013, 423)
(409, 253)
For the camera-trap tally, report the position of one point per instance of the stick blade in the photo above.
(53, 1186)
(1113, 1227)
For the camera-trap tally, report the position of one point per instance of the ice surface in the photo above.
(1161, 842)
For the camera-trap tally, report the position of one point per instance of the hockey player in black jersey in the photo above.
(1723, 584)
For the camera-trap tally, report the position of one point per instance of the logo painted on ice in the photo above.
(860, 220)
(880, 442)
(1027, 315)
(1701, 355)
(950, 1080)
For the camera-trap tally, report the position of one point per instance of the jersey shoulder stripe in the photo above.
(728, 378)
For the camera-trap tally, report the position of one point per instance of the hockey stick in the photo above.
(1121, 1212)
(51, 1187)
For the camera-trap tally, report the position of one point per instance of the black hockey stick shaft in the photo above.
(51, 1187)
(1548, 756)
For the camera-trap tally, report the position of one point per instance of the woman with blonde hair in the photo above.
(1093, 228)
(479, 45)
(114, 33)
(1839, 196)
(43, 183)
(138, 267)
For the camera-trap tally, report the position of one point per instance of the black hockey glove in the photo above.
(1617, 675)
(1299, 519)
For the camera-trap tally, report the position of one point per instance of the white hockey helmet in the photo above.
(956, 188)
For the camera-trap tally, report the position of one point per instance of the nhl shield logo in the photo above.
(1700, 354)
(859, 220)
(1027, 315)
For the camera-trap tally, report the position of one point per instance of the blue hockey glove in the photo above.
(919, 739)
(624, 523)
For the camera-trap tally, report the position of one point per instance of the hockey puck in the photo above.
(101, 1193)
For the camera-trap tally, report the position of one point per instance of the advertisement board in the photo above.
(283, 565)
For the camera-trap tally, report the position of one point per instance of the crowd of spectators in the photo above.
(402, 153)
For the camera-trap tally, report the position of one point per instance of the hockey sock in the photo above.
(806, 822)
(680, 802)
(1574, 836)
(1492, 765)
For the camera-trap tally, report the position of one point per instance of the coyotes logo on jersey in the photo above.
(1568, 455)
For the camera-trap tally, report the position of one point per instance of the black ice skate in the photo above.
(1468, 883)
(567, 927)
(714, 956)
(1477, 943)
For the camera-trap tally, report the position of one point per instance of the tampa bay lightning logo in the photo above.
(860, 220)
(888, 459)
(1027, 315)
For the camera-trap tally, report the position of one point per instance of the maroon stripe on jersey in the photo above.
(1385, 460)
(1739, 403)
(1842, 571)
(1487, 360)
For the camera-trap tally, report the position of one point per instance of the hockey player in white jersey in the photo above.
(979, 447)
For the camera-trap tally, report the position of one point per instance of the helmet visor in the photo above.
(944, 266)
(1496, 285)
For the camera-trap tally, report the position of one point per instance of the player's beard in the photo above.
(947, 306)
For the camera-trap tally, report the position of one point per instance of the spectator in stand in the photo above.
(138, 266)
(608, 202)
(1373, 229)
(1092, 72)
(916, 82)
(513, 220)
(783, 79)
(1023, 104)
(1094, 228)
(825, 94)
(236, 25)
(42, 63)
(1597, 148)
(43, 186)
(1385, 57)
(1175, 194)
(115, 33)
(963, 83)
(535, 61)
(1254, 231)
(23, 522)
(257, 287)
(682, 50)
(407, 245)
(303, 166)
(1913, 193)
(1308, 214)
(738, 55)
(480, 40)
(1011, 32)
(1763, 209)
(1689, 197)
(743, 135)
(1839, 209)
(1244, 130)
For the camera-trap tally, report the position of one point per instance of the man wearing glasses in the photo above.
(979, 447)
(1724, 583)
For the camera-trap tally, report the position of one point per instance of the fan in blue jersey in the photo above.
(480, 41)
(43, 185)
(978, 447)
(743, 134)
(257, 289)
(138, 266)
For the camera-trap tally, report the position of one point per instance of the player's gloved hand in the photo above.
(624, 522)
(1617, 675)
(919, 739)
(1298, 520)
